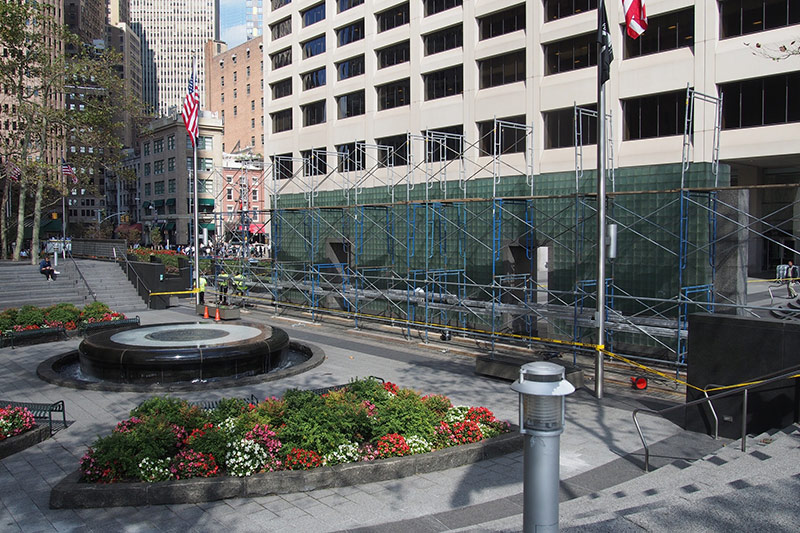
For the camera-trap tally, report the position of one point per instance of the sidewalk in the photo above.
(486, 496)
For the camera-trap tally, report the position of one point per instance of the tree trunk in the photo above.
(23, 191)
(37, 218)
(3, 221)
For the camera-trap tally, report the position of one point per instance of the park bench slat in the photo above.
(41, 410)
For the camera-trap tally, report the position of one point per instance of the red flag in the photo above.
(13, 171)
(191, 106)
(635, 17)
(67, 170)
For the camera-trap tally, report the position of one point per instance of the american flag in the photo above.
(68, 171)
(191, 106)
(635, 17)
(13, 171)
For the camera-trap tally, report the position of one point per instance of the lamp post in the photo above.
(541, 387)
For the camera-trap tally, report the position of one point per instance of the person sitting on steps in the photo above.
(47, 269)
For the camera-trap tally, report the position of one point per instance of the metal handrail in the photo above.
(707, 399)
(85, 282)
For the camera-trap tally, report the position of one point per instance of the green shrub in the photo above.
(161, 405)
(8, 318)
(95, 310)
(29, 315)
(153, 438)
(63, 312)
(227, 408)
(407, 414)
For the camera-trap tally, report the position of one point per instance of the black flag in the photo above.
(604, 42)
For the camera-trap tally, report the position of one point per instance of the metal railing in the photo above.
(85, 282)
(128, 269)
(785, 374)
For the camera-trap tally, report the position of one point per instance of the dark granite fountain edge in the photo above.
(69, 493)
(46, 372)
(23, 441)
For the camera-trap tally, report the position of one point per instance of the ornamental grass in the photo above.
(167, 438)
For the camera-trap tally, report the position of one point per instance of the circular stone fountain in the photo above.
(182, 352)
(183, 356)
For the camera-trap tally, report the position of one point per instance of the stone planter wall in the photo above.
(69, 493)
(23, 441)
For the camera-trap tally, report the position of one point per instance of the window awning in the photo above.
(205, 202)
(146, 205)
(209, 226)
(170, 201)
(159, 203)
(169, 226)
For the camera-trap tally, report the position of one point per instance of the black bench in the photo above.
(41, 410)
(210, 405)
(14, 337)
(93, 327)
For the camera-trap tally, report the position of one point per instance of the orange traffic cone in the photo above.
(205, 313)
(216, 316)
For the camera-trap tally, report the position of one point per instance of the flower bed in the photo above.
(18, 430)
(29, 317)
(167, 439)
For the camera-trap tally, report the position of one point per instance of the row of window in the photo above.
(203, 143)
(748, 103)
(204, 164)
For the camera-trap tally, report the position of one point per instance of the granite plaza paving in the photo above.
(486, 496)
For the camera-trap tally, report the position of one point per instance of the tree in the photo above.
(775, 52)
(155, 236)
(62, 97)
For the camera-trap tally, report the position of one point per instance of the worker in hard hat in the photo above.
(222, 287)
(201, 284)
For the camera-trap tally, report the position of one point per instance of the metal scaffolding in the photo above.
(441, 236)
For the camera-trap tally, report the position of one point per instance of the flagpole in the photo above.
(599, 317)
(195, 220)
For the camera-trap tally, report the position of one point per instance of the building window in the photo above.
(247, 89)
(665, 32)
(395, 94)
(252, 140)
(147, 169)
(252, 105)
(147, 148)
(344, 5)
(229, 194)
(444, 144)
(314, 162)
(762, 101)
(222, 81)
(502, 70)
(171, 185)
(205, 164)
(437, 6)
(442, 40)
(158, 166)
(556, 9)
(158, 146)
(235, 93)
(234, 76)
(222, 98)
(313, 79)
(396, 153)
(282, 166)
(281, 58)
(571, 54)
(350, 157)
(313, 14)
(204, 143)
(235, 111)
(170, 164)
(512, 140)
(282, 28)
(351, 104)
(502, 22)
(247, 72)
(281, 88)
(170, 142)
(158, 187)
(740, 17)
(252, 123)
(313, 113)
(275, 4)
(394, 55)
(350, 33)
(147, 189)
(281, 120)
(656, 115)
(350, 68)
(444, 83)
(559, 127)
(313, 47)
(393, 18)
(254, 194)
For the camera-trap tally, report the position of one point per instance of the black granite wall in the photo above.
(727, 350)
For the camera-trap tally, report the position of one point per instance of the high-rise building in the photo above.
(348, 79)
(235, 83)
(171, 35)
(254, 18)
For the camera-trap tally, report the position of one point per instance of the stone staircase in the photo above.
(697, 496)
(22, 284)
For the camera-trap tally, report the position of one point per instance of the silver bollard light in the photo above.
(541, 389)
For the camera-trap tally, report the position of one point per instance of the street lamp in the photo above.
(541, 387)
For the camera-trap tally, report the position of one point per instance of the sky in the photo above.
(232, 25)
